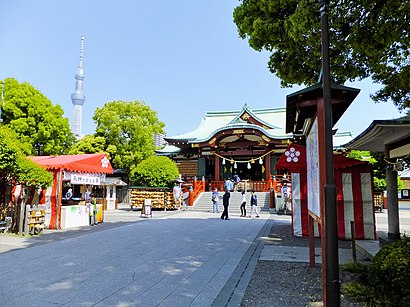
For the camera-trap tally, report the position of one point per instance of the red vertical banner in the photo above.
(341, 230)
(304, 203)
(358, 205)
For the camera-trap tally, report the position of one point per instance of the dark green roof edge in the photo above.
(225, 113)
(401, 120)
(319, 85)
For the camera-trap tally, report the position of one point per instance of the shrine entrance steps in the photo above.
(204, 203)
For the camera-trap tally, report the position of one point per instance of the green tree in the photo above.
(15, 165)
(35, 119)
(378, 162)
(368, 38)
(128, 128)
(31, 174)
(87, 145)
(156, 171)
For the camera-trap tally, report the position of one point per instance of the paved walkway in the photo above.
(182, 259)
(173, 259)
(371, 247)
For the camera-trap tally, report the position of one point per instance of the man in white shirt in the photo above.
(177, 195)
(285, 191)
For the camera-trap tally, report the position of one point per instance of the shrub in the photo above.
(390, 268)
(386, 281)
(362, 293)
(354, 267)
(156, 171)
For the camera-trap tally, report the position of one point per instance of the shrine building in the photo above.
(247, 142)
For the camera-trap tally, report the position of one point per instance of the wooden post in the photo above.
(353, 242)
(393, 219)
(272, 204)
(330, 253)
(311, 241)
(22, 208)
(26, 220)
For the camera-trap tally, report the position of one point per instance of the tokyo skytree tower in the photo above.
(78, 97)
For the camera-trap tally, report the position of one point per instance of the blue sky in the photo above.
(182, 58)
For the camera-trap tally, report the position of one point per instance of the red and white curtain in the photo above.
(354, 203)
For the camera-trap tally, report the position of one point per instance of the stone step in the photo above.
(204, 202)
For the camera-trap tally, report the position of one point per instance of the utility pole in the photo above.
(331, 269)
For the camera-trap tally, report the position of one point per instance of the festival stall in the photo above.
(78, 173)
(354, 185)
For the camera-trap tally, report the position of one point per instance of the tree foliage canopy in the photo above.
(368, 38)
(89, 144)
(128, 129)
(35, 119)
(156, 171)
(15, 165)
(376, 159)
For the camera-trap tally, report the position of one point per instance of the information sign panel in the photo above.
(312, 161)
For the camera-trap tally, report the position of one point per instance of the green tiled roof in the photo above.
(273, 118)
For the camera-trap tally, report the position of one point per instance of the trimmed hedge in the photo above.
(156, 171)
(386, 281)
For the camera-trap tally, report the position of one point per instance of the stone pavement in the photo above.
(369, 248)
(175, 258)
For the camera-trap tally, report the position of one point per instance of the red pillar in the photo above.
(54, 200)
(267, 167)
(272, 203)
(42, 197)
(191, 197)
(217, 169)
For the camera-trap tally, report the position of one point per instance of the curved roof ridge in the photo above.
(266, 110)
(248, 111)
(234, 112)
(231, 126)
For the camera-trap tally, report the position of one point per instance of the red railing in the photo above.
(220, 185)
(276, 182)
(194, 188)
(259, 186)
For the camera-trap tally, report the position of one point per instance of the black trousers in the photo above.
(225, 212)
(243, 209)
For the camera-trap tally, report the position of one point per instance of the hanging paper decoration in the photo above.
(249, 165)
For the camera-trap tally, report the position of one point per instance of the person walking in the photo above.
(94, 202)
(176, 191)
(236, 180)
(225, 202)
(91, 213)
(254, 204)
(215, 199)
(243, 204)
(87, 196)
(285, 191)
(228, 184)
